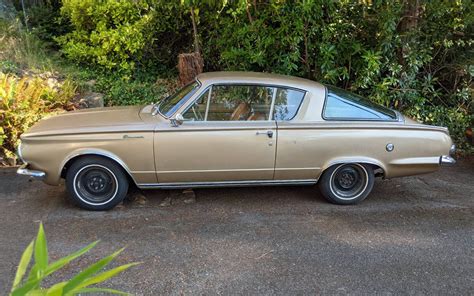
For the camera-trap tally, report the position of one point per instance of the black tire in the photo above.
(347, 184)
(96, 183)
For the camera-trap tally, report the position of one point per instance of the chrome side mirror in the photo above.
(177, 120)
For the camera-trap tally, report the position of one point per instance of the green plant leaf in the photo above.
(65, 260)
(23, 265)
(27, 287)
(41, 250)
(37, 292)
(102, 277)
(99, 290)
(56, 290)
(33, 275)
(91, 270)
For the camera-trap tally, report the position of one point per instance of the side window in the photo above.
(197, 111)
(287, 103)
(239, 102)
(343, 105)
(232, 103)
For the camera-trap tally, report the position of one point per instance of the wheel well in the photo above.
(378, 170)
(68, 164)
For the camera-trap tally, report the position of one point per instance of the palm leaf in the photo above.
(56, 290)
(41, 250)
(65, 260)
(27, 287)
(91, 270)
(102, 277)
(99, 290)
(23, 265)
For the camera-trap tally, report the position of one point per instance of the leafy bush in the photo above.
(42, 268)
(109, 33)
(45, 22)
(414, 56)
(421, 65)
(24, 101)
(126, 91)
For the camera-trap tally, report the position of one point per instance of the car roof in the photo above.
(256, 78)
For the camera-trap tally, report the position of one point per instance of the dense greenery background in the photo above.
(414, 56)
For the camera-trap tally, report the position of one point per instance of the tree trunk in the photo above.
(249, 15)
(189, 66)
(410, 17)
(408, 22)
(195, 32)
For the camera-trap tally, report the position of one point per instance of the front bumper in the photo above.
(446, 160)
(23, 170)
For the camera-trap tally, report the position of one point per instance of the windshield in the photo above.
(171, 104)
(343, 105)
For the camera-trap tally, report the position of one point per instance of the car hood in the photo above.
(108, 119)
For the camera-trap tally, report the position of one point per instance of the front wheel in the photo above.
(347, 184)
(96, 183)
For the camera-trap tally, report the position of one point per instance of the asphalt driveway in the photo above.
(411, 236)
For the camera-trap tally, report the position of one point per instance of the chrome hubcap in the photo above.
(95, 184)
(349, 181)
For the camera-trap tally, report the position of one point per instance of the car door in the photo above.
(228, 136)
(297, 145)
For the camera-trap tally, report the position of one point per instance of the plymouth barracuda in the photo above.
(233, 129)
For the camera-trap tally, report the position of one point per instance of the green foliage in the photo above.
(128, 91)
(424, 70)
(42, 268)
(109, 33)
(22, 50)
(45, 22)
(24, 101)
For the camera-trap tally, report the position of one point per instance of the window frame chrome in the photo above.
(177, 111)
(397, 114)
(272, 106)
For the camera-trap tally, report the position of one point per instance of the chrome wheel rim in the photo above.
(95, 184)
(349, 181)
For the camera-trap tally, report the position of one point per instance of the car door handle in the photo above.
(268, 133)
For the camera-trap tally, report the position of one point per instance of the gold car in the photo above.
(233, 129)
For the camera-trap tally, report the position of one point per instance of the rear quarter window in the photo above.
(343, 105)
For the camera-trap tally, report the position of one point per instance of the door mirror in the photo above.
(177, 120)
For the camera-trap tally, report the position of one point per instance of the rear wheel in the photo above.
(347, 184)
(96, 183)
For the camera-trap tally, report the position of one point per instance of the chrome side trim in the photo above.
(355, 160)
(179, 185)
(23, 170)
(446, 160)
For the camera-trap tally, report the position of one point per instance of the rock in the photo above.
(137, 197)
(166, 202)
(189, 196)
(185, 196)
(91, 82)
(53, 83)
(91, 100)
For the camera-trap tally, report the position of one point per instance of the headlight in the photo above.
(18, 153)
(452, 150)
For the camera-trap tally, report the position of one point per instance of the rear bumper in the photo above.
(23, 170)
(446, 160)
